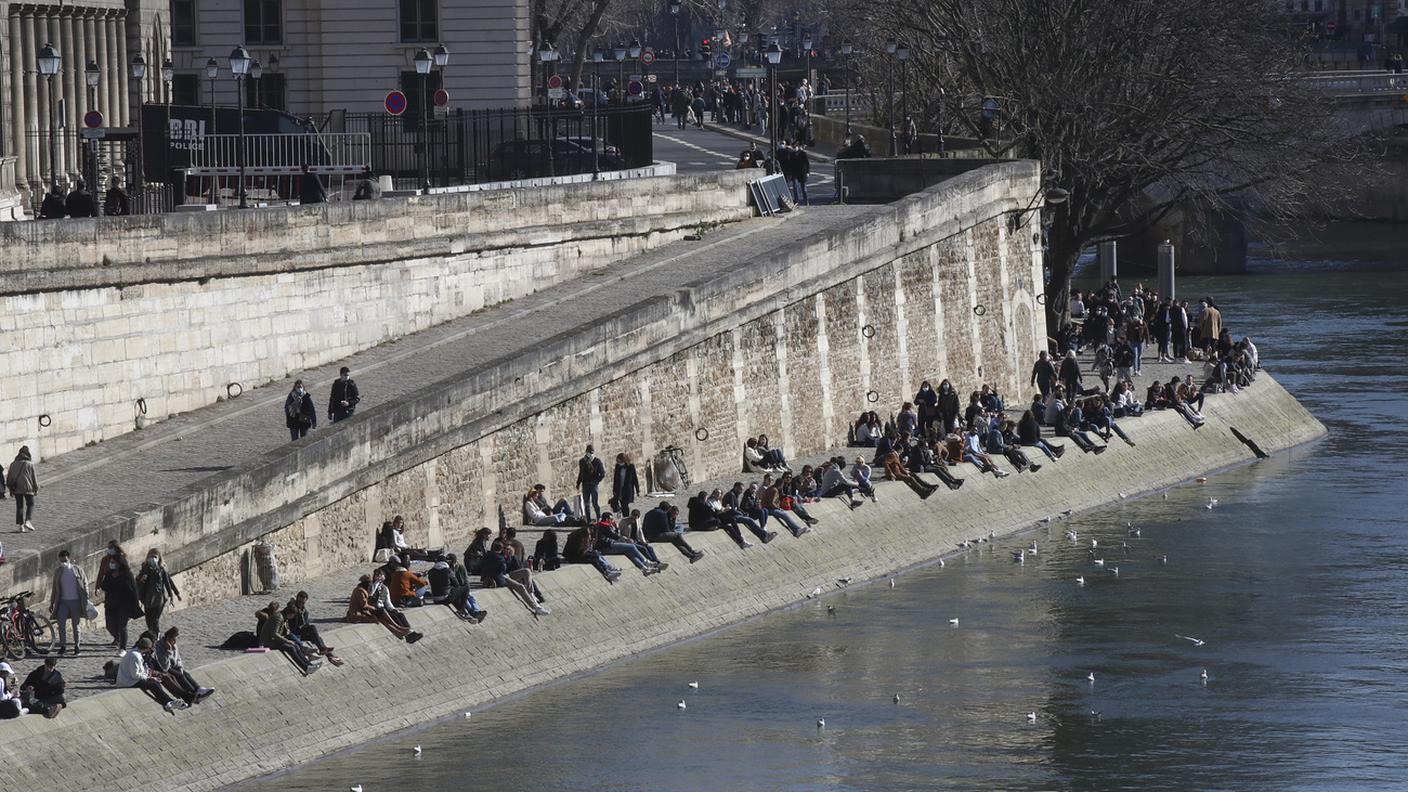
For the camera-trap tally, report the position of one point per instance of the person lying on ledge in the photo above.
(133, 672)
(505, 570)
(581, 549)
(536, 510)
(371, 602)
(896, 471)
(660, 525)
(449, 586)
(610, 541)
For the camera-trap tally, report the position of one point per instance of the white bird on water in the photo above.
(816, 592)
(1080, 581)
(1031, 717)
(897, 698)
(1204, 676)
(1123, 496)
(1045, 520)
(694, 685)
(1196, 641)
(1212, 502)
(467, 715)
(357, 788)
(681, 705)
(417, 750)
(1099, 562)
(821, 723)
(1090, 677)
(843, 582)
(1067, 512)
(1031, 548)
(1115, 571)
(1163, 559)
(954, 622)
(1094, 543)
(1072, 535)
(941, 564)
(892, 580)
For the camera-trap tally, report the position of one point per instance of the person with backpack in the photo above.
(299, 413)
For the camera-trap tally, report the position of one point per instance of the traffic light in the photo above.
(706, 47)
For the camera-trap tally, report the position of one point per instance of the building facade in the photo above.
(321, 56)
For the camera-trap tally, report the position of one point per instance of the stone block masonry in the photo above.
(266, 718)
(112, 321)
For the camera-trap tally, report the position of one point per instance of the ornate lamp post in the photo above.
(675, 13)
(92, 76)
(212, 70)
(774, 54)
(239, 69)
(902, 54)
(49, 64)
(891, 47)
(807, 49)
(168, 75)
(618, 50)
(548, 55)
(846, 50)
(423, 62)
(139, 73)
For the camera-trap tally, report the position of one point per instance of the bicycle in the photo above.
(22, 631)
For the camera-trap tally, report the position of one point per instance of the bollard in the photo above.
(1166, 266)
(1108, 254)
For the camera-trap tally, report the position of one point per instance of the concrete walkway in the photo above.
(81, 489)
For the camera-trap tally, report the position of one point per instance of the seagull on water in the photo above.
(1135, 532)
(1201, 479)
(1072, 535)
(897, 698)
(1090, 677)
(1212, 502)
(821, 723)
(1094, 543)
(694, 685)
(1067, 512)
(1099, 562)
(1019, 556)
(1031, 548)
(1163, 559)
(417, 750)
(1080, 581)
(681, 705)
(1044, 520)
(1123, 496)
(1165, 496)
(830, 610)
(1115, 571)
(1204, 676)
(954, 622)
(1196, 641)
(892, 580)
(357, 788)
(467, 714)
(941, 563)
(1031, 717)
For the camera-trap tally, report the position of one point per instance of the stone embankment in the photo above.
(266, 717)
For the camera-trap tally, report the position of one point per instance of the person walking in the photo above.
(342, 402)
(68, 600)
(299, 413)
(590, 473)
(23, 485)
(155, 590)
(625, 484)
(120, 602)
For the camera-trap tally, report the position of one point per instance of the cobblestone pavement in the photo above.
(85, 486)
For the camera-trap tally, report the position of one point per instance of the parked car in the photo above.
(527, 159)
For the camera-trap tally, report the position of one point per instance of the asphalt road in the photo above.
(701, 150)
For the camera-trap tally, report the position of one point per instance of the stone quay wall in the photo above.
(266, 718)
(793, 342)
(115, 319)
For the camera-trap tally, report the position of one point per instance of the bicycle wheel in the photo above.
(12, 643)
(40, 639)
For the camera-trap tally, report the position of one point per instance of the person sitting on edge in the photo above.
(503, 569)
(581, 549)
(1100, 416)
(611, 542)
(1124, 403)
(860, 473)
(446, 590)
(546, 553)
(273, 634)
(369, 603)
(769, 500)
(974, 411)
(302, 629)
(1180, 401)
(166, 658)
(702, 517)
(908, 419)
(1054, 406)
(629, 527)
(991, 400)
(835, 484)
(753, 460)
(772, 457)
(132, 672)
(933, 458)
(1029, 434)
(789, 497)
(1001, 438)
(536, 510)
(896, 471)
(1154, 398)
(1070, 423)
(725, 507)
(973, 453)
(407, 588)
(403, 548)
(43, 690)
(660, 525)
(478, 548)
(11, 701)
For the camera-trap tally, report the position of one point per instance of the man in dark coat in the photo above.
(625, 484)
(343, 401)
(590, 472)
(53, 206)
(299, 413)
(80, 202)
(117, 203)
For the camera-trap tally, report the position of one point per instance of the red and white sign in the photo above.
(395, 103)
(1330, 26)
(441, 98)
(555, 81)
(92, 119)
(647, 57)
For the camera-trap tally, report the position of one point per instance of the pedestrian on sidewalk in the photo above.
(22, 483)
(343, 400)
(625, 484)
(155, 590)
(590, 473)
(299, 413)
(120, 603)
(68, 599)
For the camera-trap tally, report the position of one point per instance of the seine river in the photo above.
(1297, 583)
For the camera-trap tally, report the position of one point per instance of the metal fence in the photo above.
(477, 146)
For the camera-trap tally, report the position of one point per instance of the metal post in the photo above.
(239, 88)
(424, 134)
(1166, 267)
(166, 148)
(849, 87)
(596, 105)
(677, 49)
(772, 112)
(92, 169)
(53, 137)
(214, 180)
(890, 113)
(1108, 254)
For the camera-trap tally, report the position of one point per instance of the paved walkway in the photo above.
(82, 488)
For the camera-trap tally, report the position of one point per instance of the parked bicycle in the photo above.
(22, 631)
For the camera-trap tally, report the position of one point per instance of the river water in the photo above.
(1296, 582)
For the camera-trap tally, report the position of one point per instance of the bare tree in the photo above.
(1134, 107)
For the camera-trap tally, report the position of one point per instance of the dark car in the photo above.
(527, 159)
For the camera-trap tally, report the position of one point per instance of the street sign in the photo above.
(395, 103)
(650, 78)
(1330, 27)
(557, 93)
(555, 81)
(722, 60)
(92, 119)
(634, 88)
(441, 98)
(749, 72)
(109, 133)
(636, 77)
(647, 57)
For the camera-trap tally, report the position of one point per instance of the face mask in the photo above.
(298, 391)
(153, 562)
(67, 564)
(112, 566)
(112, 551)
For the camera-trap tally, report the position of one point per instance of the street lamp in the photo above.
(239, 69)
(92, 76)
(168, 75)
(774, 54)
(902, 53)
(634, 49)
(807, 48)
(139, 73)
(618, 50)
(846, 49)
(598, 56)
(675, 13)
(256, 72)
(891, 47)
(548, 55)
(442, 56)
(423, 62)
(49, 64)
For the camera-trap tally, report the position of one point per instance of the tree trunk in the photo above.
(1061, 258)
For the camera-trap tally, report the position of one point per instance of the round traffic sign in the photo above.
(647, 57)
(722, 60)
(555, 81)
(441, 98)
(634, 88)
(395, 103)
(92, 119)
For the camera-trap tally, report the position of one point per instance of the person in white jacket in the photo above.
(133, 672)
